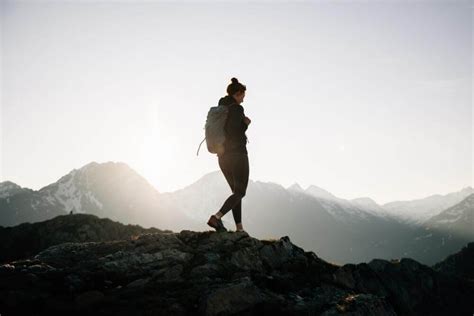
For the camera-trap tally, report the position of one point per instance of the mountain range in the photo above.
(340, 230)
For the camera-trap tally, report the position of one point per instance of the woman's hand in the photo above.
(247, 120)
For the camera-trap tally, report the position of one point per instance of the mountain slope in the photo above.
(368, 204)
(457, 219)
(340, 232)
(343, 231)
(460, 264)
(420, 210)
(445, 233)
(110, 189)
(363, 205)
(8, 189)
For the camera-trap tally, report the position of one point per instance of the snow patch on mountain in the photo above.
(320, 193)
(68, 194)
(8, 189)
(420, 210)
(295, 187)
(457, 213)
(94, 199)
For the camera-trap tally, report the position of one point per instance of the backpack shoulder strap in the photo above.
(197, 154)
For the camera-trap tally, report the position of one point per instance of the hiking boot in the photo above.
(216, 223)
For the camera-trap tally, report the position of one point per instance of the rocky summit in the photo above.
(210, 273)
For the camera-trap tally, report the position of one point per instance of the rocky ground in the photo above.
(460, 264)
(27, 239)
(209, 273)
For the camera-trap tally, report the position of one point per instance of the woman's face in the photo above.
(239, 97)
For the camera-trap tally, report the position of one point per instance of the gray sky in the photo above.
(359, 98)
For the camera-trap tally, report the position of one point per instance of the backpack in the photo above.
(214, 129)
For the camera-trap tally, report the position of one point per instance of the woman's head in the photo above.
(237, 90)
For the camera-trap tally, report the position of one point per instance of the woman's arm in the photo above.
(247, 120)
(235, 121)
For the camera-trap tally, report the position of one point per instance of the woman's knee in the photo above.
(240, 193)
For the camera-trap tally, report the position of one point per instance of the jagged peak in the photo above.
(464, 191)
(365, 199)
(467, 189)
(295, 187)
(320, 192)
(268, 185)
(9, 184)
(90, 165)
(210, 176)
(9, 188)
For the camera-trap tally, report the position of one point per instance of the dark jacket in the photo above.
(235, 127)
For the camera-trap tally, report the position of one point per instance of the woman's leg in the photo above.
(239, 166)
(226, 168)
(241, 181)
(237, 213)
(227, 171)
(237, 209)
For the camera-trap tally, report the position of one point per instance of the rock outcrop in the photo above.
(460, 264)
(27, 239)
(209, 273)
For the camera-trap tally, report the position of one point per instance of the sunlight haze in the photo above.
(359, 98)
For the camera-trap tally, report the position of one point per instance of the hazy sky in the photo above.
(359, 98)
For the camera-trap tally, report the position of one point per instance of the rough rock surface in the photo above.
(209, 273)
(28, 239)
(460, 264)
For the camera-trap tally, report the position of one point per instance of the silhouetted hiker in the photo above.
(234, 162)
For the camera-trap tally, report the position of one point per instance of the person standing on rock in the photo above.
(234, 162)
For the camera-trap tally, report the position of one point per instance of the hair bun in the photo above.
(235, 87)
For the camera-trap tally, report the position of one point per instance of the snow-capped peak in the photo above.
(365, 202)
(295, 187)
(8, 188)
(320, 193)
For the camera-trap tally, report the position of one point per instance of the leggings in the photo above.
(235, 167)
